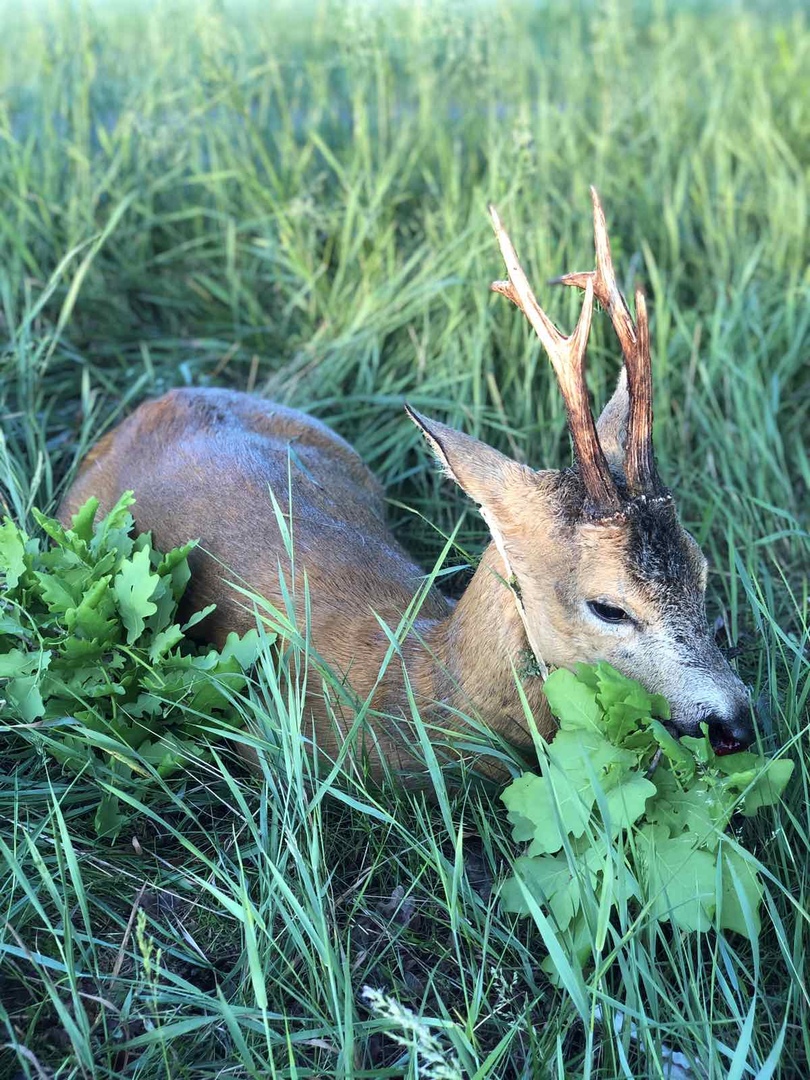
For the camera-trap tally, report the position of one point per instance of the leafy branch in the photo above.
(625, 812)
(93, 656)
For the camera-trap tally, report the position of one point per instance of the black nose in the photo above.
(729, 735)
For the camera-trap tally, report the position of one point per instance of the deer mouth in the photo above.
(724, 743)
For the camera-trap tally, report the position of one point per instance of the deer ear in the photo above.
(489, 477)
(611, 427)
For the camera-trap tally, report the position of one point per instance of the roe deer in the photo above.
(587, 563)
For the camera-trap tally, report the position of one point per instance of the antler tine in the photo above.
(634, 339)
(567, 356)
(640, 458)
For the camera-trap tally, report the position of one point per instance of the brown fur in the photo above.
(202, 464)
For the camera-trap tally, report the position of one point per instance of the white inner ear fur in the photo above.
(510, 578)
(441, 457)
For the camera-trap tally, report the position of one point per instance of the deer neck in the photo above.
(479, 651)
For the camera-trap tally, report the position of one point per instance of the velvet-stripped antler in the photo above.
(634, 338)
(567, 356)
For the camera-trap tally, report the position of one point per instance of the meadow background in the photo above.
(290, 198)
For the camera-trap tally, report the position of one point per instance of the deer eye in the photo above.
(607, 613)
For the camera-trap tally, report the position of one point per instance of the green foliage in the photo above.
(292, 197)
(628, 812)
(90, 646)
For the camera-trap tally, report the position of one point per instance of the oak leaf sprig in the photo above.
(94, 658)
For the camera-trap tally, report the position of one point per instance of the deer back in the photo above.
(203, 464)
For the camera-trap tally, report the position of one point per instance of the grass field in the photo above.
(292, 200)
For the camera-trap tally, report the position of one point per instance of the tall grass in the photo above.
(292, 200)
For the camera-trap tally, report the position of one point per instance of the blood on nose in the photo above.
(729, 735)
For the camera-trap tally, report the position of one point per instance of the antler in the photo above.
(634, 338)
(567, 356)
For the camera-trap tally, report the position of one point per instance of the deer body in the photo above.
(202, 463)
(586, 564)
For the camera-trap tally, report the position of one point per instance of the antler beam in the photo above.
(634, 338)
(567, 356)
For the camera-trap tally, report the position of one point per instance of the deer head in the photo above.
(600, 566)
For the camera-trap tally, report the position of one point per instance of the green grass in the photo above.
(293, 200)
